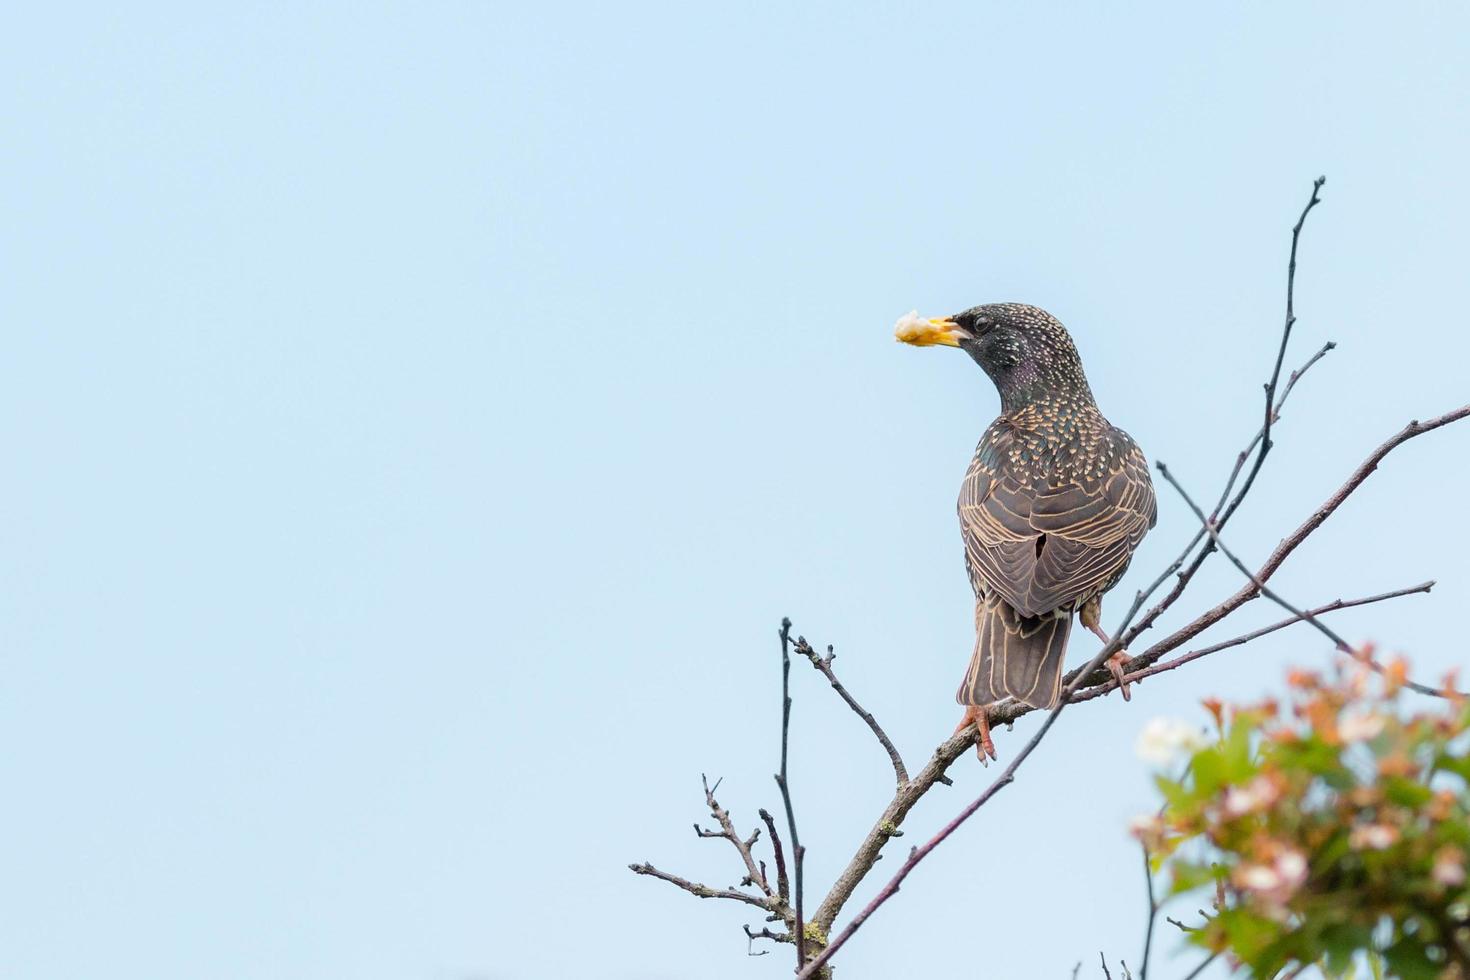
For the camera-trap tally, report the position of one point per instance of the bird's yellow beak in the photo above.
(943, 332)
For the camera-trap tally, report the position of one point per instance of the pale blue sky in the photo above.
(419, 417)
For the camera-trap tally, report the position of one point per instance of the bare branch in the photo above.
(1009, 711)
(1006, 777)
(1153, 913)
(811, 937)
(1293, 540)
(824, 664)
(701, 891)
(1201, 968)
(1262, 439)
(1193, 655)
(753, 873)
(783, 887)
(765, 933)
(797, 853)
(1199, 559)
(1261, 587)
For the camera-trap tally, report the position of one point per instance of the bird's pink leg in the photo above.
(1090, 614)
(984, 746)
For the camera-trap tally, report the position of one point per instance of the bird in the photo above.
(1054, 503)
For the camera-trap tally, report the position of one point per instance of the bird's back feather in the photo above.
(1015, 656)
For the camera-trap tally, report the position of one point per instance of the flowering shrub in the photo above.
(1334, 825)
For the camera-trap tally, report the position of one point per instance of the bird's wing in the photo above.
(995, 517)
(1045, 545)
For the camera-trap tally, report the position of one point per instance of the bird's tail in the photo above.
(1015, 656)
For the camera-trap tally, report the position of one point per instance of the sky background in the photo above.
(419, 417)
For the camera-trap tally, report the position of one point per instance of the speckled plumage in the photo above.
(1054, 503)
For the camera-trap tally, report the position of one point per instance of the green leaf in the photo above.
(1187, 876)
(1406, 792)
(1237, 753)
(1343, 942)
(1409, 960)
(1208, 768)
(1172, 791)
(1251, 937)
(1459, 765)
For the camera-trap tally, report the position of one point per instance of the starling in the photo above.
(1051, 509)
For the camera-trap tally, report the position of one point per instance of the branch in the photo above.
(701, 891)
(753, 874)
(1086, 683)
(797, 852)
(1260, 586)
(1006, 777)
(1153, 914)
(783, 887)
(1201, 968)
(1262, 439)
(1193, 655)
(775, 937)
(1296, 234)
(824, 664)
(1292, 541)
(1009, 711)
(1199, 559)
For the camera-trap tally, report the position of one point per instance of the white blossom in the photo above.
(1293, 869)
(1165, 739)
(1259, 878)
(1360, 728)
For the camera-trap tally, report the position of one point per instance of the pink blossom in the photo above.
(1449, 867)
(1373, 837)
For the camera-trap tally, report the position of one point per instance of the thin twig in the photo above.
(701, 891)
(783, 887)
(1261, 587)
(797, 852)
(1293, 540)
(1083, 684)
(1108, 974)
(753, 873)
(1201, 968)
(1199, 535)
(824, 664)
(1153, 913)
(863, 861)
(1006, 777)
(1261, 439)
(765, 933)
(1296, 234)
(1193, 655)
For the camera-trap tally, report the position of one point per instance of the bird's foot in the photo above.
(1119, 659)
(984, 746)
(1115, 664)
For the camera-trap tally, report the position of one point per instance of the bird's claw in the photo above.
(984, 744)
(1116, 663)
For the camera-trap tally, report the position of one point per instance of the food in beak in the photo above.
(914, 329)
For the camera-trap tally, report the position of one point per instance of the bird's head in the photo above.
(1025, 350)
